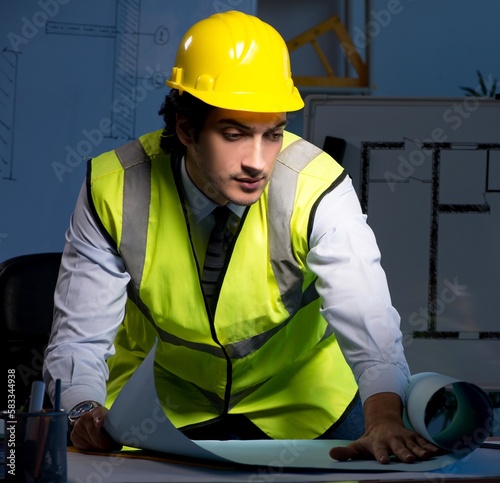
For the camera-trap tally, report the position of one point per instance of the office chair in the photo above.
(27, 284)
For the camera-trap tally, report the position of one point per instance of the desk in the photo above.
(483, 464)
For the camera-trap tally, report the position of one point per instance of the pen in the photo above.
(36, 398)
(57, 398)
(34, 424)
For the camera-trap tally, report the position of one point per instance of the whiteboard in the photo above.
(427, 172)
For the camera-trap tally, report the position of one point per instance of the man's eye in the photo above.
(232, 136)
(275, 136)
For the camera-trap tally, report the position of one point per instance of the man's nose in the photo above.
(254, 159)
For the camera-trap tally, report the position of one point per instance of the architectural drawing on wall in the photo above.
(482, 156)
(125, 33)
(77, 79)
(8, 71)
(128, 83)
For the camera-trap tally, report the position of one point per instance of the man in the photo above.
(284, 338)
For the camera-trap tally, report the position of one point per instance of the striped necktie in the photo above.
(215, 255)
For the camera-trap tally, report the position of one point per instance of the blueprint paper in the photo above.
(137, 419)
(309, 454)
(471, 422)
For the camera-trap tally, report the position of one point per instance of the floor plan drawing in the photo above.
(427, 173)
(440, 156)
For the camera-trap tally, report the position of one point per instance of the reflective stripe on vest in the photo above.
(281, 198)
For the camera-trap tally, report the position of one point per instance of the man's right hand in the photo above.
(88, 433)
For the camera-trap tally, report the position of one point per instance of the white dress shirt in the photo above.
(92, 290)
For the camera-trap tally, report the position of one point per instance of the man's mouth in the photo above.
(250, 183)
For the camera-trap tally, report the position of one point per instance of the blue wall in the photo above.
(65, 68)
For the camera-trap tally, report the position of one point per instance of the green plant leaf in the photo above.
(484, 89)
(493, 89)
(470, 91)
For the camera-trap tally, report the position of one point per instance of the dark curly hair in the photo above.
(194, 110)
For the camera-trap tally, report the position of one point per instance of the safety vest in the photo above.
(266, 353)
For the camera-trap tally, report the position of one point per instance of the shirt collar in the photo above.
(198, 204)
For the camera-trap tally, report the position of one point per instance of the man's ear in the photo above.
(183, 129)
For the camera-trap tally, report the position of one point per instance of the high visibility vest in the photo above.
(266, 352)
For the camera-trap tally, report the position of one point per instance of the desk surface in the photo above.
(483, 464)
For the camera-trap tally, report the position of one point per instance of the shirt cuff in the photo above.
(383, 378)
(77, 394)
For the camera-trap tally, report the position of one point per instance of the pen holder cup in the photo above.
(35, 446)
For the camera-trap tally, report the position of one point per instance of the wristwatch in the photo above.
(79, 409)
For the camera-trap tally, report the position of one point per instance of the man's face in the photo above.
(234, 157)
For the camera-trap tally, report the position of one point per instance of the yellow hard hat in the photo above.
(236, 61)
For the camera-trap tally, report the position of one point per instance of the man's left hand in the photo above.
(386, 435)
